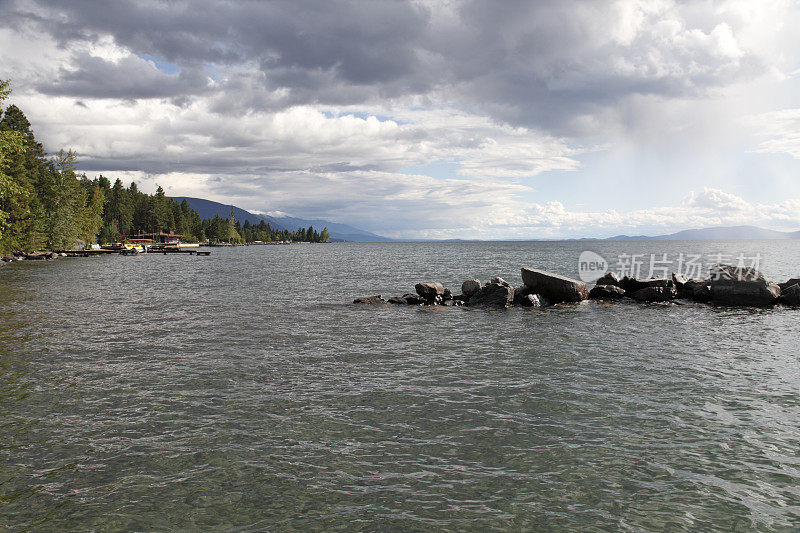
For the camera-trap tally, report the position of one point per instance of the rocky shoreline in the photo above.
(727, 285)
(33, 256)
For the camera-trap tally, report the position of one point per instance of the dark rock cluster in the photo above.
(727, 285)
(33, 256)
(539, 289)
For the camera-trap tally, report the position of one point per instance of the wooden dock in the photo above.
(90, 253)
(87, 253)
(170, 251)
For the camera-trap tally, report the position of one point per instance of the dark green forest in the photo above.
(46, 205)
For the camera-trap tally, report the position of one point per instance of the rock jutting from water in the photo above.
(606, 292)
(554, 287)
(539, 290)
(727, 286)
(742, 287)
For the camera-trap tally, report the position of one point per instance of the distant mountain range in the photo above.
(737, 233)
(342, 232)
(338, 232)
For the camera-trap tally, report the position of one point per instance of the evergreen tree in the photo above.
(43, 203)
(91, 215)
(15, 192)
(65, 223)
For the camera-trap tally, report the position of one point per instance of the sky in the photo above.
(429, 120)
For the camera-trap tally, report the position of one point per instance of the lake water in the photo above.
(242, 391)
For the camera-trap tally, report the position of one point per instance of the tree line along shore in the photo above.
(46, 205)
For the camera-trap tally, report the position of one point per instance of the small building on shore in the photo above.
(158, 237)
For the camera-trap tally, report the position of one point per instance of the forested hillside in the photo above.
(45, 204)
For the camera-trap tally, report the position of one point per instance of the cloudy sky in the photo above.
(442, 119)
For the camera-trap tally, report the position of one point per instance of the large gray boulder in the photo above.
(470, 287)
(697, 290)
(606, 292)
(735, 286)
(430, 291)
(493, 295)
(554, 287)
(791, 295)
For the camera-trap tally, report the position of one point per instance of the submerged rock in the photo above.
(632, 285)
(493, 295)
(414, 299)
(655, 294)
(606, 292)
(554, 287)
(397, 300)
(369, 300)
(736, 286)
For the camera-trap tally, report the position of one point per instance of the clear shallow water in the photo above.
(241, 391)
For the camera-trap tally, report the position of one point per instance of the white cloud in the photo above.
(780, 131)
(511, 99)
(706, 208)
(714, 200)
(157, 136)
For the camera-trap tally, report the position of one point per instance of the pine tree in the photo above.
(14, 191)
(65, 225)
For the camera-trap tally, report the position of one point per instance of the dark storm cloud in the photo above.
(538, 63)
(300, 45)
(129, 78)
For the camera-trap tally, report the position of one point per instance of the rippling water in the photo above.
(241, 391)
